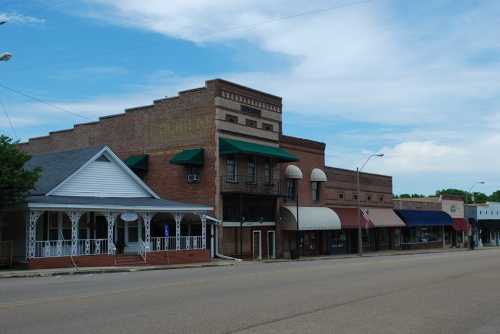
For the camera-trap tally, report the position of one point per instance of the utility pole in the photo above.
(358, 171)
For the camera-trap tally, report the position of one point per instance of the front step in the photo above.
(129, 260)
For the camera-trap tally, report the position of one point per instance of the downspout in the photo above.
(217, 223)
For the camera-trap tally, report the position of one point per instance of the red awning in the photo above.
(349, 218)
(460, 225)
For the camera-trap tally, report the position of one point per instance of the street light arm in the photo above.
(369, 158)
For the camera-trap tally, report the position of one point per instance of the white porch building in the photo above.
(89, 203)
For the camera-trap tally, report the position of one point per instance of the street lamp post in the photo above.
(473, 232)
(358, 171)
(293, 173)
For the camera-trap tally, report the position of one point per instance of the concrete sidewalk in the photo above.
(381, 253)
(102, 270)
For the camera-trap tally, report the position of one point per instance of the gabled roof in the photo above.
(60, 167)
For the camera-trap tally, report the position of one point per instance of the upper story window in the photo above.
(369, 197)
(231, 169)
(251, 123)
(252, 171)
(267, 127)
(340, 196)
(315, 187)
(381, 198)
(291, 190)
(232, 119)
(250, 110)
(268, 171)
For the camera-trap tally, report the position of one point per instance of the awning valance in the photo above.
(460, 225)
(189, 157)
(233, 146)
(138, 162)
(383, 217)
(425, 218)
(310, 218)
(349, 218)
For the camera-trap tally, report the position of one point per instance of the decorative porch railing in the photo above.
(92, 246)
(55, 248)
(166, 244)
(162, 244)
(52, 248)
(191, 242)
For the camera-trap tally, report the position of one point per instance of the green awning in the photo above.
(138, 162)
(233, 146)
(190, 157)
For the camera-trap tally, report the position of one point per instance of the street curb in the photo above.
(354, 256)
(84, 271)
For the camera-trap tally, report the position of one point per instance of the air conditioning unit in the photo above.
(193, 178)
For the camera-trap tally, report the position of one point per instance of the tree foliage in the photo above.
(15, 181)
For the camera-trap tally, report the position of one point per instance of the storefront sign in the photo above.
(129, 216)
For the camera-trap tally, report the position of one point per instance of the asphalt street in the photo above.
(432, 293)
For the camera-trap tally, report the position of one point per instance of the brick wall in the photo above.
(164, 258)
(153, 258)
(311, 155)
(376, 190)
(159, 130)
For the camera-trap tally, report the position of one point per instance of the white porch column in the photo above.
(203, 232)
(178, 218)
(32, 220)
(111, 219)
(74, 217)
(146, 218)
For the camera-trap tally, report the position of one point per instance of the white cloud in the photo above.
(356, 62)
(16, 18)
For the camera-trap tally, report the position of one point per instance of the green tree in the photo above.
(495, 196)
(15, 181)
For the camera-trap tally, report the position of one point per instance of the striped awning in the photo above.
(383, 217)
(349, 218)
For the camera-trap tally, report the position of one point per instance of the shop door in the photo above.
(271, 244)
(257, 245)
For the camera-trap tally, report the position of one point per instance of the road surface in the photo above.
(433, 293)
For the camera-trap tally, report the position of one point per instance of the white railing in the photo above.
(92, 246)
(159, 244)
(191, 242)
(52, 248)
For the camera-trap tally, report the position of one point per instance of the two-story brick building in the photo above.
(222, 145)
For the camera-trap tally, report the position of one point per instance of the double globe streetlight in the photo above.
(358, 171)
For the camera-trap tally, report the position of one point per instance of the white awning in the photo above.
(310, 218)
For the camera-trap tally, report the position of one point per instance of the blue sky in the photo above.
(417, 80)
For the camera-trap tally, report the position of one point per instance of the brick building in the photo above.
(222, 145)
(381, 226)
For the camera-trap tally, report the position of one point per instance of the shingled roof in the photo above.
(57, 167)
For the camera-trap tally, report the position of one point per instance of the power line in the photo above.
(39, 100)
(8, 118)
(293, 16)
(131, 51)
